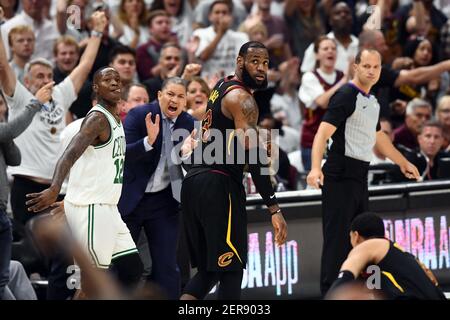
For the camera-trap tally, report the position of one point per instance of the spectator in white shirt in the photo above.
(40, 142)
(44, 30)
(218, 45)
(133, 15)
(341, 22)
(21, 41)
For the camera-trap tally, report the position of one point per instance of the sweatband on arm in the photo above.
(344, 277)
(262, 181)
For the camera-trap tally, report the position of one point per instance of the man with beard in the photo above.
(341, 23)
(95, 158)
(212, 195)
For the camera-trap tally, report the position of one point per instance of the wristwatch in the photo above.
(97, 34)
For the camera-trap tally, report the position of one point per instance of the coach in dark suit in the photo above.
(152, 178)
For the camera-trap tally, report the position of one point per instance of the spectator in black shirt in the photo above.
(426, 157)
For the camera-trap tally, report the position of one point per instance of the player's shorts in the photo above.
(99, 230)
(215, 220)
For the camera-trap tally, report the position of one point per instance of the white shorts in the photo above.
(99, 230)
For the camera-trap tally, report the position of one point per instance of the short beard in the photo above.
(250, 82)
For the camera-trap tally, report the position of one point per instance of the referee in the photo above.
(352, 123)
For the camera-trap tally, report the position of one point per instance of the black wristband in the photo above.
(344, 277)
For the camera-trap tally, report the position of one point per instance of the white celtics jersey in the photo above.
(96, 177)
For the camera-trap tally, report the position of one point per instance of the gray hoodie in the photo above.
(9, 152)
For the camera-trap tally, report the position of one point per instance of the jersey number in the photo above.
(119, 170)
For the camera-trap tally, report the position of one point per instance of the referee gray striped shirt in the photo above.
(355, 114)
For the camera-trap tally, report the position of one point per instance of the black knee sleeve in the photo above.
(128, 269)
(201, 284)
(230, 285)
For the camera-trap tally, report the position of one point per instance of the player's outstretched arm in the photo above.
(81, 71)
(93, 126)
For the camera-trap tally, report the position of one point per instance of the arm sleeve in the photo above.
(261, 178)
(309, 90)
(263, 185)
(147, 146)
(203, 43)
(12, 129)
(308, 59)
(11, 153)
(136, 146)
(388, 77)
(340, 107)
(20, 98)
(64, 93)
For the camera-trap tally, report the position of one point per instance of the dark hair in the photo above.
(412, 45)
(360, 52)
(319, 40)
(123, 16)
(120, 49)
(156, 13)
(174, 80)
(228, 3)
(368, 225)
(317, 43)
(205, 88)
(251, 44)
(432, 124)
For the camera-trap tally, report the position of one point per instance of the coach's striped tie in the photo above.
(175, 172)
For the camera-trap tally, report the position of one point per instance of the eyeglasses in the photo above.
(445, 110)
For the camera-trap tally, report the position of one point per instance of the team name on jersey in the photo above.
(119, 147)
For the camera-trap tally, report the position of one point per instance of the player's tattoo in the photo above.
(250, 111)
(93, 125)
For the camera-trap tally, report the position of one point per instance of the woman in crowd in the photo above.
(197, 97)
(423, 53)
(133, 15)
(315, 92)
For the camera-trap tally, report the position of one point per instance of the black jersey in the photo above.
(220, 149)
(403, 277)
